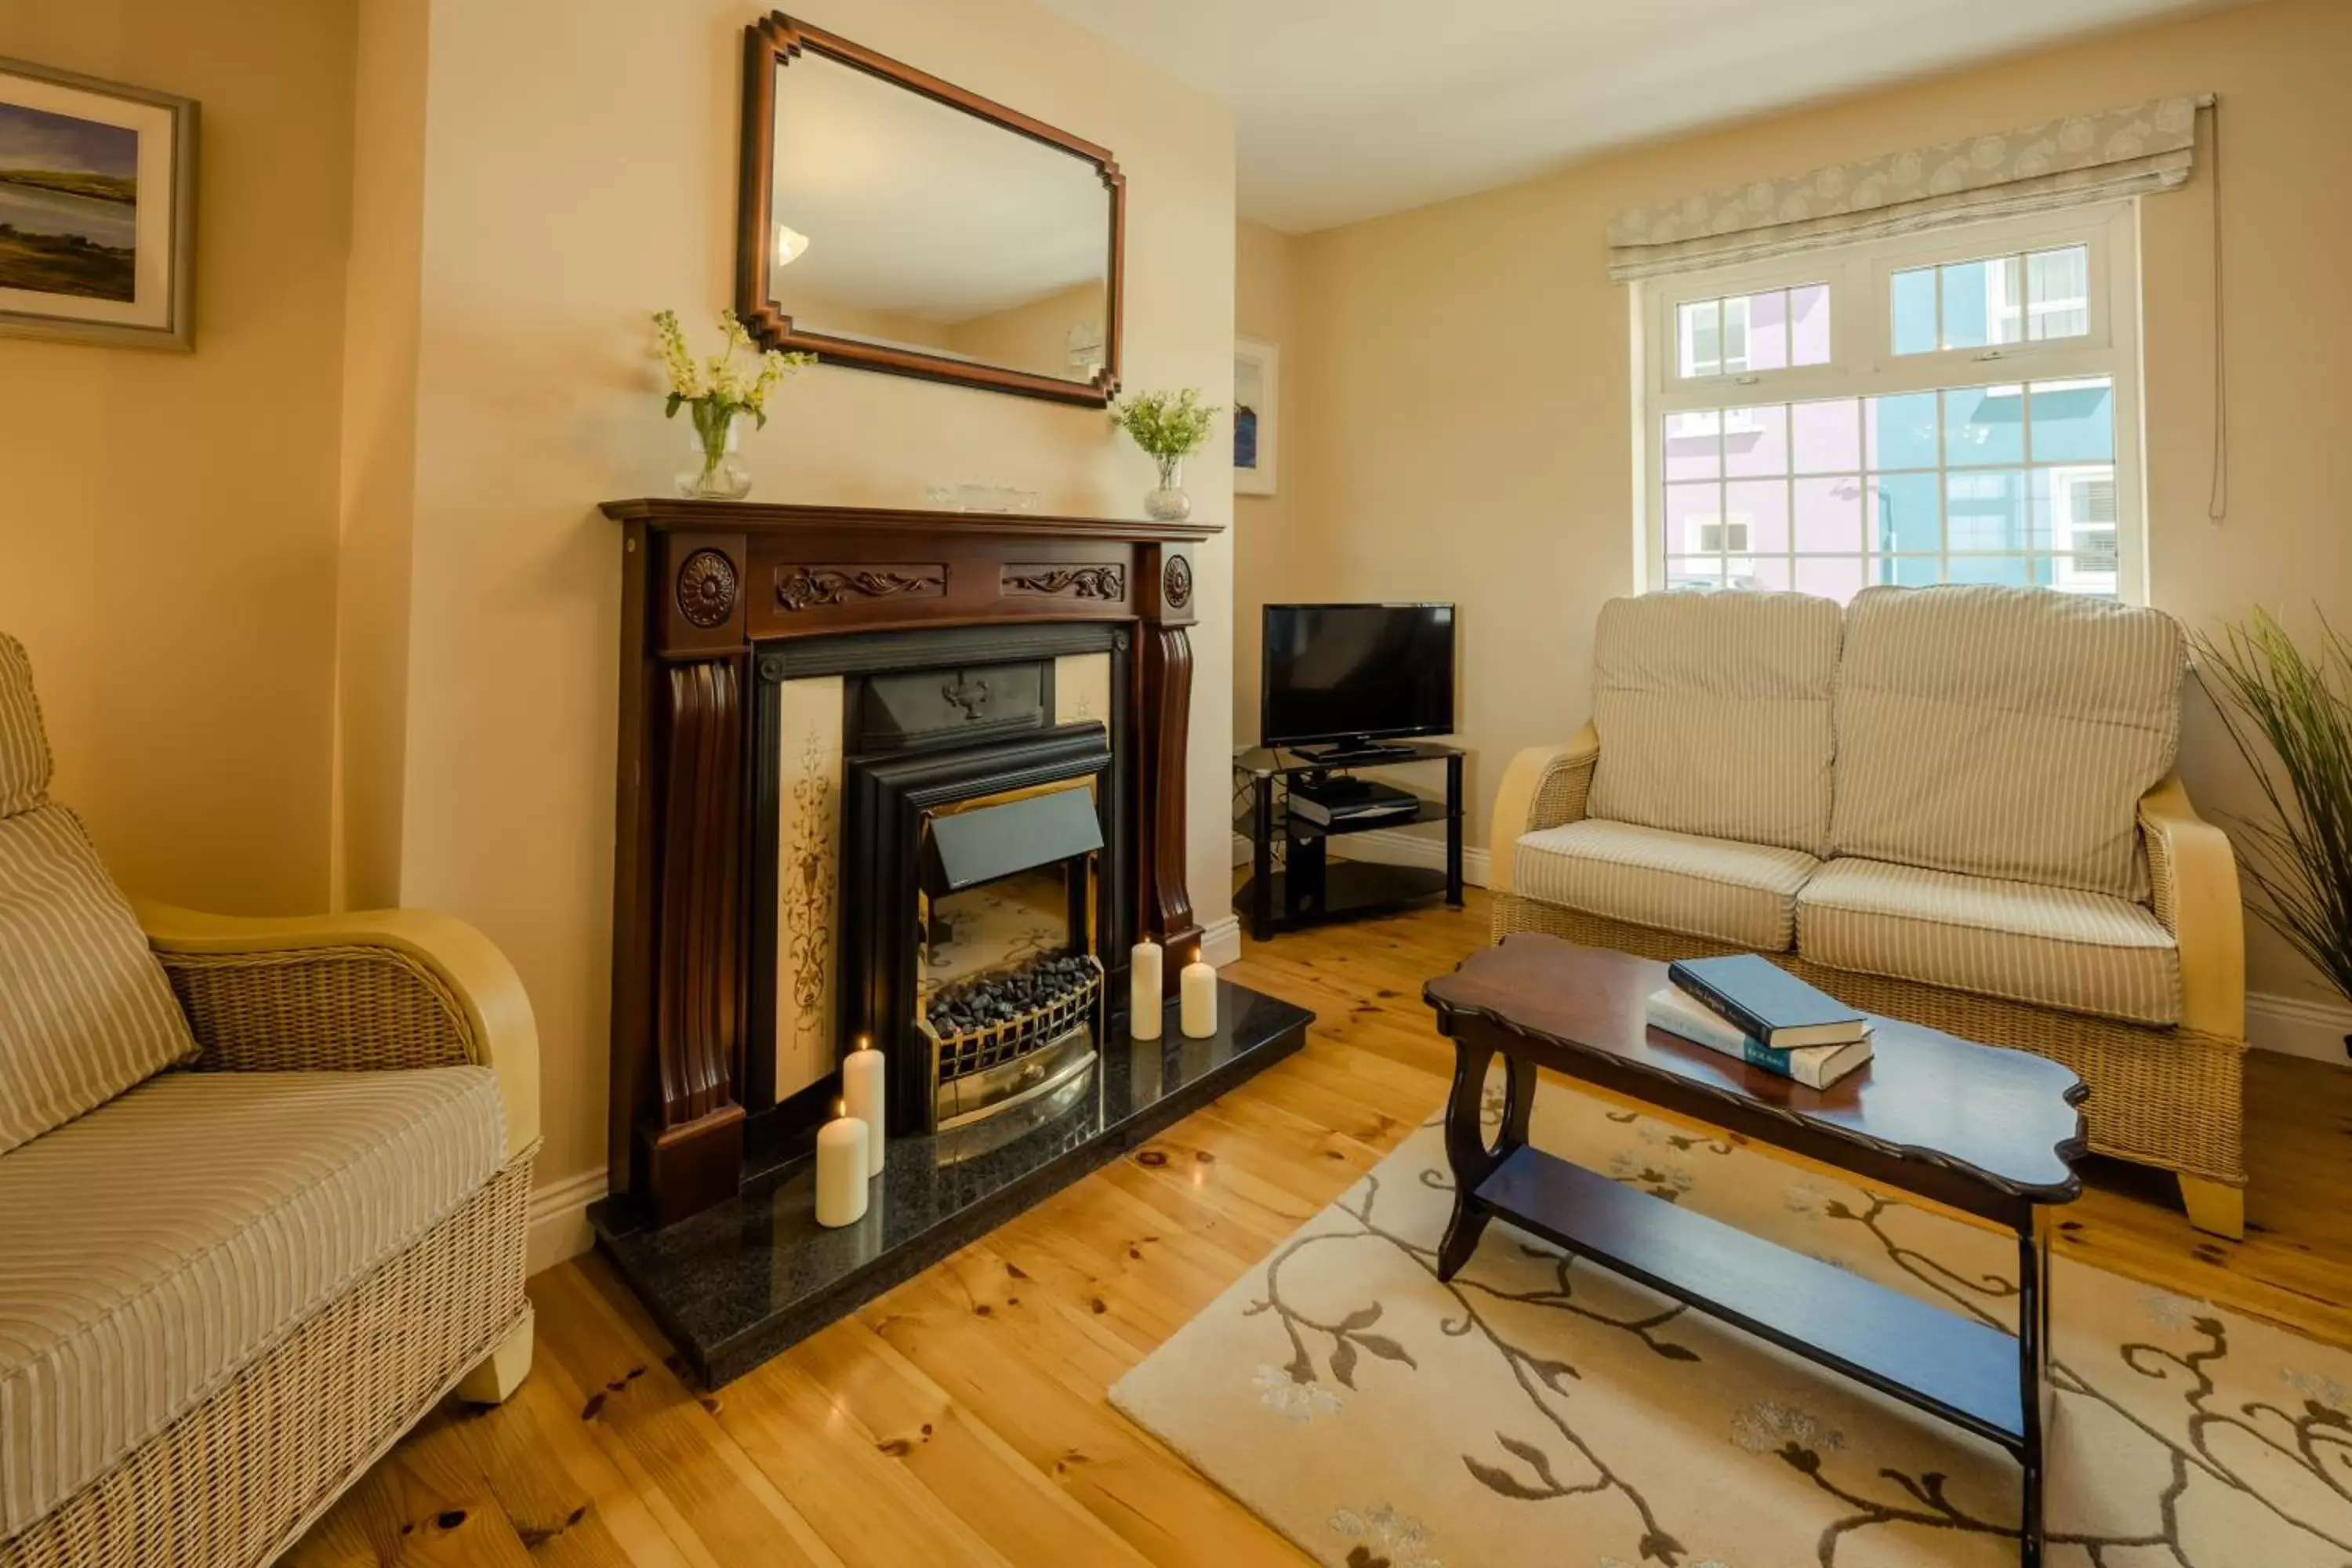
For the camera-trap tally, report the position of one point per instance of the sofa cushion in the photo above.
(85, 1010)
(161, 1243)
(2004, 732)
(1713, 714)
(2051, 947)
(24, 748)
(1744, 894)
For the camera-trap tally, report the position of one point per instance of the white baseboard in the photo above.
(1397, 846)
(2294, 1027)
(559, 1219)
(1221, 940)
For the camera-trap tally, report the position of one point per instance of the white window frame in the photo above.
(1863, 362)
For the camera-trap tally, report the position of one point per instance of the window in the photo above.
(1963, 410)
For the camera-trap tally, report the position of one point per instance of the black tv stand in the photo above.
(1355, 752)
(1294, 883)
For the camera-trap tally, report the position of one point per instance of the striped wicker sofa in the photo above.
(262, 1195)
(1954, 806)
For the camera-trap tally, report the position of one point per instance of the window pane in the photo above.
(2084, 574)
(1700, 329)
(1767, 331)
(1900, 432)
(1915, 311)
(1909, 570)
(1808, 324)
(1828, 435)
(1828, 513)
(2005, 571)
(2058, 293)
(1984, 425)
(1985, 511)
(1756, 513)
(1693, 511)
(2075, 512)
(1734, 335)
(1904, 514)
(1839, 579)
(1693, 445)
(2074, 421)
(1769, 573)
(1703, 572)
(1756, 440)
(1983, 303)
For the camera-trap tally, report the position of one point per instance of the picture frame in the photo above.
(98, 210)
(1258, 416)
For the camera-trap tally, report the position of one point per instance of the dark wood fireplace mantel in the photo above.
(705, 585)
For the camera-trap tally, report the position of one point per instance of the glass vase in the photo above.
(1169, 503)
(717, 473)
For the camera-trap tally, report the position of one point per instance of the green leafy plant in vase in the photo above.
(2297, 706)
(719, 391)
(1171, 427)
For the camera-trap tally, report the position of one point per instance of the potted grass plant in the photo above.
(2296, 707)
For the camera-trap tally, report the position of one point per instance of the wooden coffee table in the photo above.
(1993, 1132)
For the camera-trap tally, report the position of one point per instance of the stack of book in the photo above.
(1750, 1008)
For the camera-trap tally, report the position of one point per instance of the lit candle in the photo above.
(861, 1090)
(1199, 1008)
(841, 1171)
(1145, 1004)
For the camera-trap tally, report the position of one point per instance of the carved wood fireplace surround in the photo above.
(715, 594)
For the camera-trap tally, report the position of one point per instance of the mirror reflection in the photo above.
(901, 221)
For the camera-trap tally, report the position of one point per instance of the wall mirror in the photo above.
(892, 220)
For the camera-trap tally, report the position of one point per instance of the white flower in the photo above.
(1767, 1426)
(1390, 1534)
(1285, 1395)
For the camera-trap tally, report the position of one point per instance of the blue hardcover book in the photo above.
(1760, 998)
(1815, 1067)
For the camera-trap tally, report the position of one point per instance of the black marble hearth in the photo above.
(740, 1282)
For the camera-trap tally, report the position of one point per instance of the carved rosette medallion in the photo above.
(706, 588)
(809, 587)
(1066, 582)
(1176, 583)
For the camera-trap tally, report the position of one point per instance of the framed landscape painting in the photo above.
(97, 186)
(1258, 380)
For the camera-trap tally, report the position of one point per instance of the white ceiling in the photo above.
(1348, 108)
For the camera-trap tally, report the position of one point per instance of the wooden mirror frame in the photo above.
(775, 41)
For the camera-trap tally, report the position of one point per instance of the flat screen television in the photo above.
(1350, 674)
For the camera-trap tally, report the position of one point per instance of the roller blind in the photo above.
(2083, 158)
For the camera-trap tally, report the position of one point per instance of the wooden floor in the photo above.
(961, 1419)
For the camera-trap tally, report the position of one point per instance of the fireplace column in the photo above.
(1164, 711)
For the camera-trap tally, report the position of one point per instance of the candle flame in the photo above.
(864, 1042)
(840, 1108)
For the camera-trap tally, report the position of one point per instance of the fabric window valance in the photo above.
(2081, 159)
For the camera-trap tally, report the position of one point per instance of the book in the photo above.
(1759, 997)
(1815, 1067)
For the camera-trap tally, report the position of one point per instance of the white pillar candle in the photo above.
(861, 1093)
(1198, 1010)
(1145, 1004)
(841, 1172)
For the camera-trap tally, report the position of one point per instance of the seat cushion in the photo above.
(24, 748)
(85, 1010)
(151, 1249)
(1713, 714)
(2051, 947)
(1744, 894)
(2004, 732)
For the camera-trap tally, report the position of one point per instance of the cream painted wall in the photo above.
(168, 522)
(1469, 431)
(565, 199)
(1266, 528)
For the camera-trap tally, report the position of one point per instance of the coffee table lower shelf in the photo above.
(1948, 1366)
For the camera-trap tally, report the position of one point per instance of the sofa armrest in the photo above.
(390, 988)
(1544, 787)
(2196, 896)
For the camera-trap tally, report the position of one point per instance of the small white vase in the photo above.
(1169, 503)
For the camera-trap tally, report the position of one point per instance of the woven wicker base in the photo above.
(2169, 1098)
(236, 1480)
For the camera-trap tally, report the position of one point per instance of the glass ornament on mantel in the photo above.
(717, 473)
(1169, 503)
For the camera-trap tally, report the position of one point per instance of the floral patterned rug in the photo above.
(1539, 1410)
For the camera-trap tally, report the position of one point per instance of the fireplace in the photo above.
(918, 776)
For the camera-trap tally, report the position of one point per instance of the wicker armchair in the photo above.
(2167, 1097)
(234, 1480)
